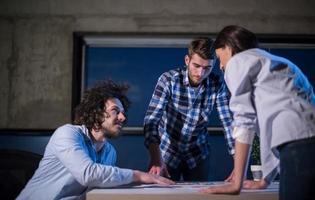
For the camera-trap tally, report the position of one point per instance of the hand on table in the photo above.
(227, 188)
(250, 184)
(159, 169)
(143, 177)
(232, 188)
(157, 166)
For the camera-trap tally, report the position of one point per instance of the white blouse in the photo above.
(270, 96)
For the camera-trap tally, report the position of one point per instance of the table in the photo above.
(180, 191)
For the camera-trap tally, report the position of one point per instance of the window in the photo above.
(140, 60)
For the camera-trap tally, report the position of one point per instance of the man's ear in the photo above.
(187, 60)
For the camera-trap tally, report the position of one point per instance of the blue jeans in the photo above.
(297, 170)
(183, 173)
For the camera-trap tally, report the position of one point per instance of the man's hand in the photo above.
(157, 166)
(250, 184)
(143, 177)
(159, 169)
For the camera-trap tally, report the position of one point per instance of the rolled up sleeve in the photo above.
(238, 74)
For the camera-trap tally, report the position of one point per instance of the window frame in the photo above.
(83, 40)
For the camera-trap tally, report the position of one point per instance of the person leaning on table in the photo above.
(79, 158)
(175, 124)
(271, 95)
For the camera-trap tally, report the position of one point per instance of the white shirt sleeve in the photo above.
(70, 150)
(243, 135)
(238, 76)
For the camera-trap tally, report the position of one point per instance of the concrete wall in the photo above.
(36, 55)
(36, 41)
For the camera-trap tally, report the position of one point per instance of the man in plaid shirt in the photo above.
(175, 124)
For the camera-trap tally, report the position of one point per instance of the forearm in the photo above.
(240, 161)
(235, 185)
(137, 175)
(151, 135)
(155, 153)
(155, 111)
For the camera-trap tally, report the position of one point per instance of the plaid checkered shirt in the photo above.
(178, 115)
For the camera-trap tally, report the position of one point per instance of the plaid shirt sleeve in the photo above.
(155, 110)
(226, 116)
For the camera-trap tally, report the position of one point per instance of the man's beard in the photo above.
(111, 134)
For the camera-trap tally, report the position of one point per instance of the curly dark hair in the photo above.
(90, 111)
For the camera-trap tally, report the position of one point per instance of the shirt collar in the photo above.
(186, 77)
(88, 137)
(86, 132)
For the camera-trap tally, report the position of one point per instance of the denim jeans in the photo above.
(183, 173)
(297, 170)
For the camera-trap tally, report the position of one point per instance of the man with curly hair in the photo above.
(78, 157)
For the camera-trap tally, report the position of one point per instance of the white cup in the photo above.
(256, 172)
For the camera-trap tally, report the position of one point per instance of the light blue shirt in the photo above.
(270, 96)
(71, 166)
